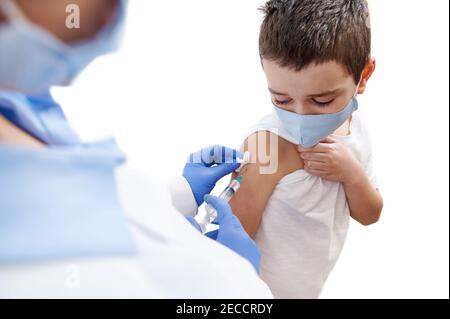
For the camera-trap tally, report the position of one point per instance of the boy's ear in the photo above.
(366, 74)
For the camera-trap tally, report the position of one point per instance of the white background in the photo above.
(189, 76)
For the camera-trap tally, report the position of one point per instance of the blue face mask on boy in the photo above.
(309, 130)
(32, 60)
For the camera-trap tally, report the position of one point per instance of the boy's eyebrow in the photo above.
(276, 93)
(326, 93)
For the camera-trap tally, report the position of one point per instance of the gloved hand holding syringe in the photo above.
(226, 195)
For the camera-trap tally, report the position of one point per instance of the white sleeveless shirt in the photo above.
(305, 222)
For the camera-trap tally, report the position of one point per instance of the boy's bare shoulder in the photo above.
(271, 159)
(273, 153)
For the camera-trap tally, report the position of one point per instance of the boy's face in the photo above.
(317, 89)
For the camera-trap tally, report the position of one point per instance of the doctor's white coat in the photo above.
(173, 259)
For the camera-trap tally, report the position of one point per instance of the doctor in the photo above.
(75, 221)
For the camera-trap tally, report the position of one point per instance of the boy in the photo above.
(316, 57)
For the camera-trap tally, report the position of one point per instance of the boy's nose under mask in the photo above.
(309, 130)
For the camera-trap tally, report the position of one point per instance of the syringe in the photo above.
(226, 195)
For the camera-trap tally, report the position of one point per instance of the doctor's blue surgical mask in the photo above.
(309, 130)
(32, 59)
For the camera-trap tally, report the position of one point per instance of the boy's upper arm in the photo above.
(272, 158)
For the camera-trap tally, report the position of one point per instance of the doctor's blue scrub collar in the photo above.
(61, 203)
(38, 115)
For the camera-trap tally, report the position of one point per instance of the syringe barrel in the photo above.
(226, 195)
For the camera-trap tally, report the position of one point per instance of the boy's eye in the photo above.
(322, 104)
(278, 102)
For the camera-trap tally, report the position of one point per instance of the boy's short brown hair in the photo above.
(296, 33)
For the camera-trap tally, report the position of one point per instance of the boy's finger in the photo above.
(301, 149)
(319, 148)
(329, 140)
(319, 157)
(314, 172)
(320, 166)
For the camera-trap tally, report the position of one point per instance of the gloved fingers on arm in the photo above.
(216, 155)
(225, 169)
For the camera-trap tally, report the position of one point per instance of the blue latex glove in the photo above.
(207, 166)
(231, 233)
